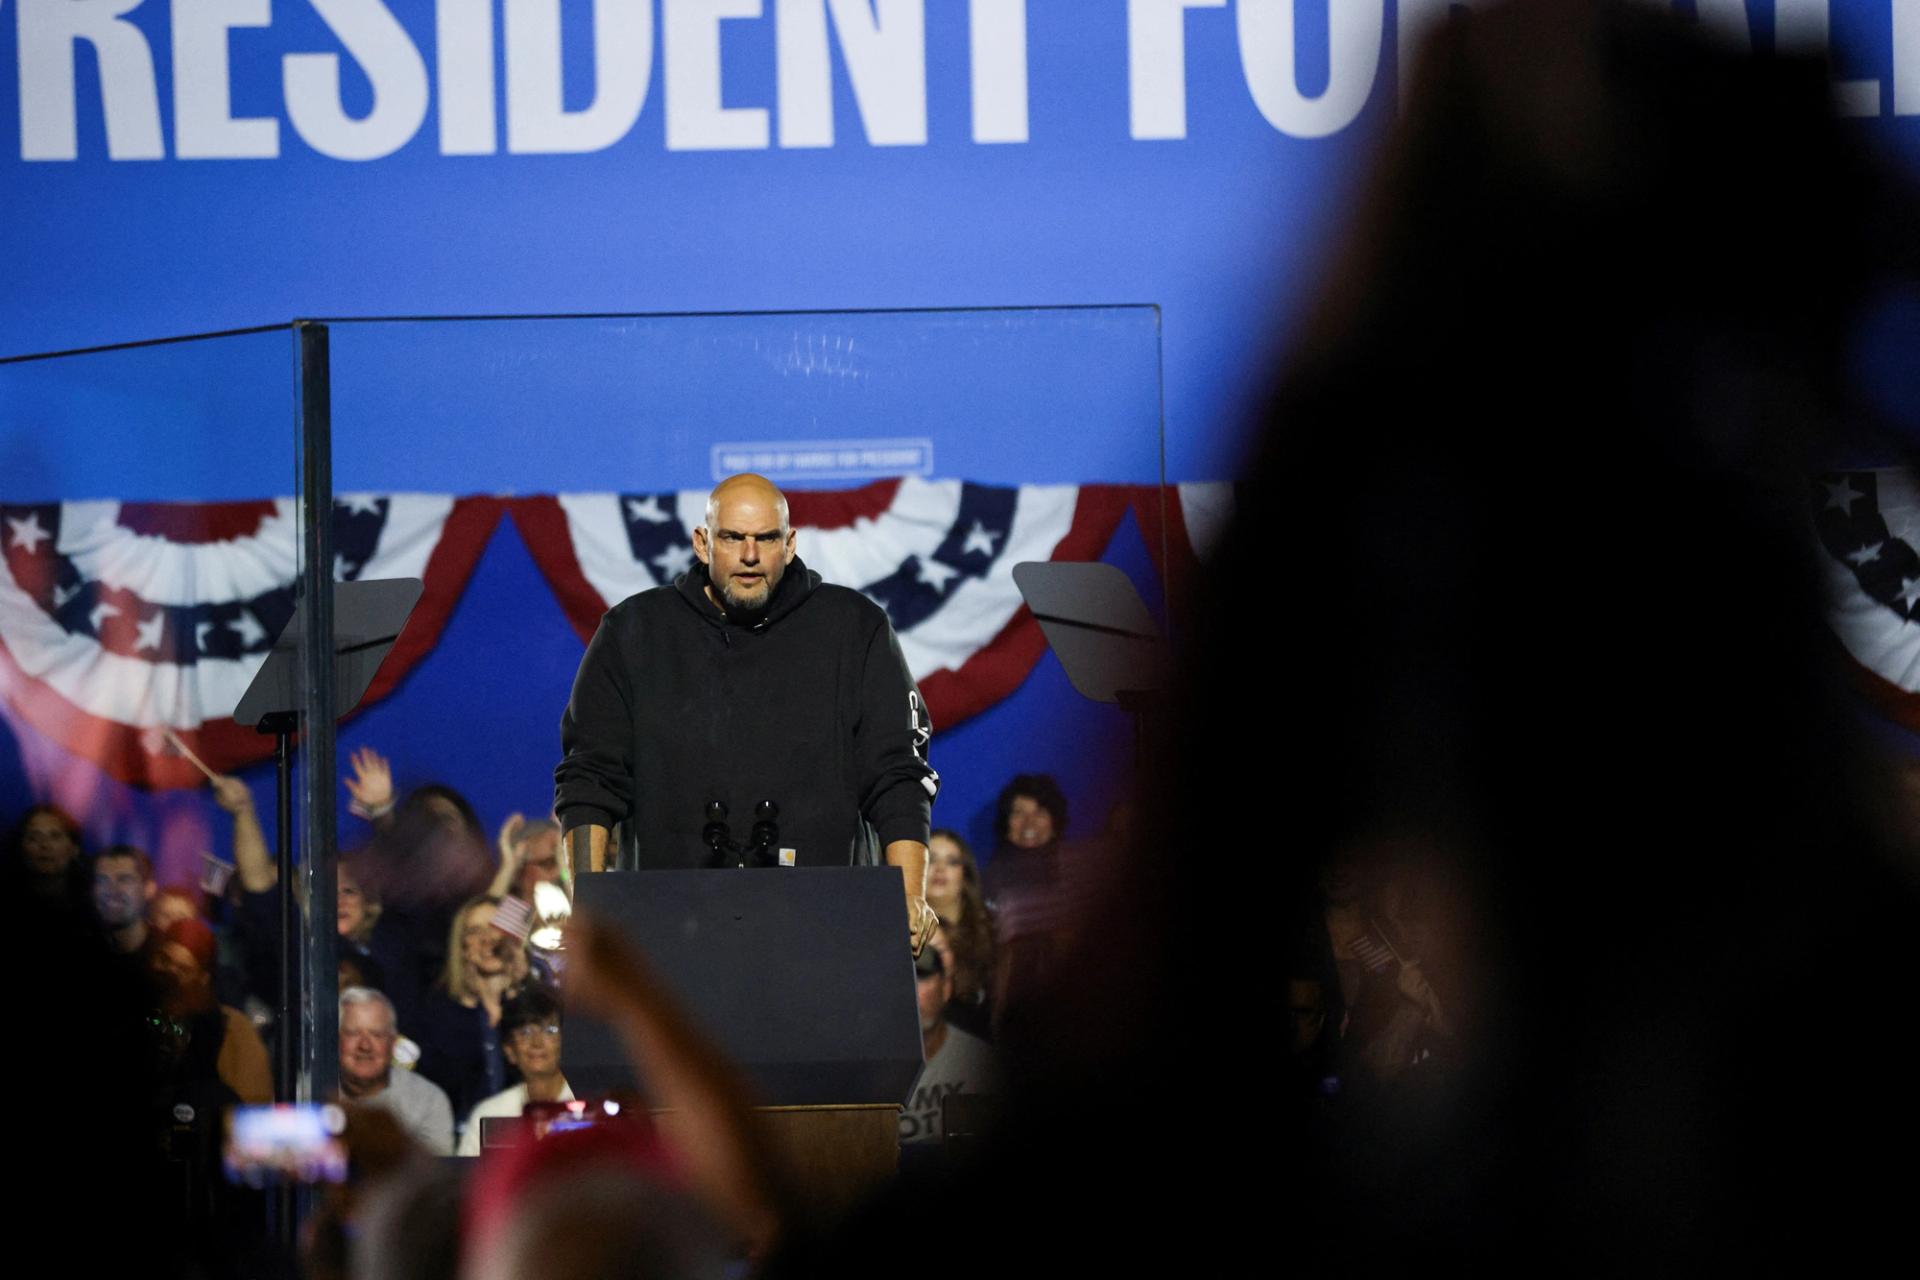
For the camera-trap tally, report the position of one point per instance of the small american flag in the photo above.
(514, 918)
(1372, 951)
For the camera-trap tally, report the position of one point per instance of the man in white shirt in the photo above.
(530, 1037)
(367, 1076)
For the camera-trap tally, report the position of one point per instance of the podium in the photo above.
(801, 974)
(804, 977)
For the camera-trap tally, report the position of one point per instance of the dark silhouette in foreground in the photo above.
(1521, 586)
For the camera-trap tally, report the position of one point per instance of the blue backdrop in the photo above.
(184, 167)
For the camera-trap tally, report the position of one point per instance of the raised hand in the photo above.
(371, 782)
(511, 850)
(232, 795)
(603, 969)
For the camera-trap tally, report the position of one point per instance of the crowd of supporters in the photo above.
(451, 999)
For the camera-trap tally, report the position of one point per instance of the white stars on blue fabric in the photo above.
(673, 561)
(1841, 495)
(150, 631)
(980, 541)
(27, 533)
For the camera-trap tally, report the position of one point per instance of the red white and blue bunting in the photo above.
(119, 618)
(1869, 524)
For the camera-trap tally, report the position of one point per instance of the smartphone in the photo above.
(286, 1142)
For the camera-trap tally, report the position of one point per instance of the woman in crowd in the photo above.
(378, 946)
(1024, 885)
(43, 860)
(459, 1020)
(966, 931)
(205, 1035)
(530, 1036)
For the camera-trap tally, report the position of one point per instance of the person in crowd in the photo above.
(1384, 1015)
(529, 856)
(966, 931)
(206, 1058)
(369, 1078)
(397, 1215)
(427, 854)
(1027, 888)
(174, 904)
(123, 889)
(1030, 821)
(541, 1207)
(375, 941)
(356, 912)
(254, 936)
(597, 1204)
(532, 870)
(44, 861)
(253, 862)
(183, 959)
(530, 1036)
(956, 1061)
(459, 1021)
(431, 805)
(82, 1083)
(394, 948)
(171, 904)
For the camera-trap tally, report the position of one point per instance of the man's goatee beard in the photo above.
(741, 610)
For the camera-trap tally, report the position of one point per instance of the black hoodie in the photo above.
(809, 705)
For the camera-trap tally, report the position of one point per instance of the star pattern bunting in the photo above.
(119, 618)
(114, 629)
(1868, 522)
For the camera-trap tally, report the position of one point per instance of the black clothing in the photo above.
(404, 947)
(459, 1051)
(809, 705)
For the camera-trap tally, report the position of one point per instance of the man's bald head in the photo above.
(746, 542)
(747, 487)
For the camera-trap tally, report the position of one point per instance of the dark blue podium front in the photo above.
(801, 974)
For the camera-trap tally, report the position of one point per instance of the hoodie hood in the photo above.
(794, 589)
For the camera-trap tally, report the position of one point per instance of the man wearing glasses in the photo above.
(530, 1038)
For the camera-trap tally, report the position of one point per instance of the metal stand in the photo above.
(361, 621)
(286, 1073)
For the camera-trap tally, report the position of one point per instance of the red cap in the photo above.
(196, 937)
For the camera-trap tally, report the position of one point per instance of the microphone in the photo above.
(716, 835)
(766, 834)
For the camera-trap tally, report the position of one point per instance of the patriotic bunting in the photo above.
(119, 618)
(1869, 524)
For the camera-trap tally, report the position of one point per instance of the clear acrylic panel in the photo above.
(150, 522)
(532, 472)
(548, 467)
